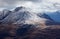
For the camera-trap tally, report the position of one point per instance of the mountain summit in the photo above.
(18, 8)
(17, 15)
(23, 15)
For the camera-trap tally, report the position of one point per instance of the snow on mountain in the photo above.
(23, 15)
(4, 14)
(14, 16)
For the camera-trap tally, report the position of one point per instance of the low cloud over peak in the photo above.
(35, 5)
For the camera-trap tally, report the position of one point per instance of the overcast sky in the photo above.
(37, 5)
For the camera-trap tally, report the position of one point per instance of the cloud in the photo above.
(35, 5)
(9, 4)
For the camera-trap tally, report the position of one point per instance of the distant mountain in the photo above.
(53, 18)
(54, 15)
(44, 15)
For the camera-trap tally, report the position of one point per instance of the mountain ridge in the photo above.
(22, 14)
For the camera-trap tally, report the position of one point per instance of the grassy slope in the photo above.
(11, 31)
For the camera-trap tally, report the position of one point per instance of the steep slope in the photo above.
(44, 15)
(53, 18)
(54, 15)
(29, 31)
(18, 14)
(23, 15)
(5, 13)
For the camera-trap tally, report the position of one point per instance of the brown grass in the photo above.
(50, 32)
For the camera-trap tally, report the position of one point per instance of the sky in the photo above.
(35, 5)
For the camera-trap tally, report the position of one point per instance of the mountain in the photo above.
(53, 17)
(44, 15)
(18, 8)
(12, 25)
(21, 15)
(4, 14)
(16, 16)
(28, 31)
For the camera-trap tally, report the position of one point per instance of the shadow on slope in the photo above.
(28, 31)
